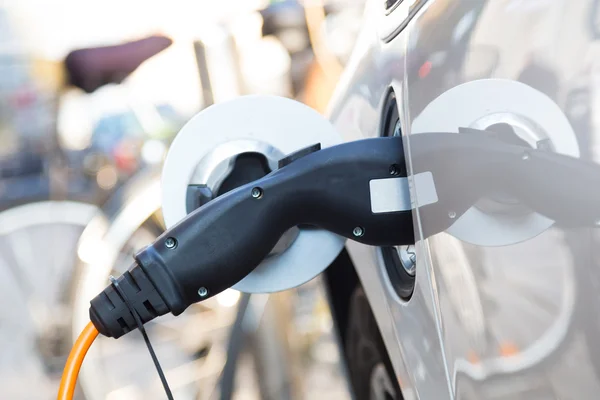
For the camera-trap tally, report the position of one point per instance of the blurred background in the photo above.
(91, 94)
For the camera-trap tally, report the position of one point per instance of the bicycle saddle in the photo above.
(91, 68)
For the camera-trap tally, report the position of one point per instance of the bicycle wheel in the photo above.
(37, 241)
(191, 347)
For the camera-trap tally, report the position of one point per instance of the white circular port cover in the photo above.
(498, 100)
(275, 123)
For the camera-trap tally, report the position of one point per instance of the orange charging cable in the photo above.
(73, 365)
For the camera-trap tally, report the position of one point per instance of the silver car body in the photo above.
(489, 319)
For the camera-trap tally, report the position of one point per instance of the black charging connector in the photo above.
(220, 243)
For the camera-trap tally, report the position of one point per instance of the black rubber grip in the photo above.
(109, 312)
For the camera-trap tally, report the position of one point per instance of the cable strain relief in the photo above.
(110, 313)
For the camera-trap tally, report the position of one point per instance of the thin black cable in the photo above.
(140, 325)
(235, 343)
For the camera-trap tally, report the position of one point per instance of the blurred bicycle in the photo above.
(47, 204)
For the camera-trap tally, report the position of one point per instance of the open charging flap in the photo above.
(235, 142)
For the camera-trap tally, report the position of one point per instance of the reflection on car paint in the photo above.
(535, 331)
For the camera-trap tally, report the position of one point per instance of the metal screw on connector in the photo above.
(358, 231)
(256, 192)
(394, 170)
(202, 292)
(408, 259)
(452, 215)
(171, 243)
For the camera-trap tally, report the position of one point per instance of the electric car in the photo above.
(504, 303)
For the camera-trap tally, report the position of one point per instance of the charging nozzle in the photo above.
(220, 243)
